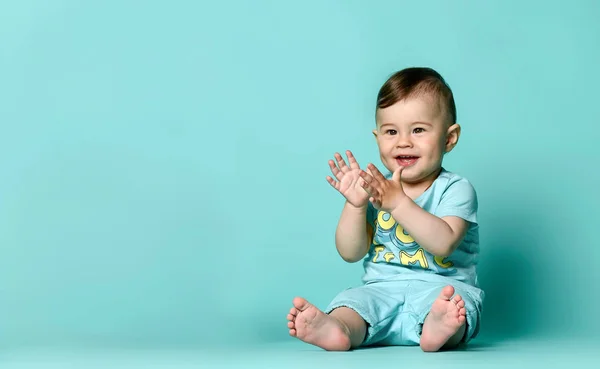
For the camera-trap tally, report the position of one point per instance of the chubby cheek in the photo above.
(385, 149)
(431, 147)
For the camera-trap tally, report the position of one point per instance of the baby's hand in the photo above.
(384, 194)
(349, 184)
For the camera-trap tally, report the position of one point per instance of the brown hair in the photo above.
(413, 81)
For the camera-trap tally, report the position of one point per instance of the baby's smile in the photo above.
(406, 160)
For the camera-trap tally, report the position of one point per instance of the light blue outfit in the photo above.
(402, 280)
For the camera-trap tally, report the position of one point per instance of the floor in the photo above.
(518, 354)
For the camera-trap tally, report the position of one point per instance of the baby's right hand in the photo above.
(349, 182)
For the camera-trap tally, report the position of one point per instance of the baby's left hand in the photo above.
(384, 194)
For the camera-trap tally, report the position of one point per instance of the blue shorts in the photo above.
(395, 310)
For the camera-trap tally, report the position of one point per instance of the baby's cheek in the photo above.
(433, 144)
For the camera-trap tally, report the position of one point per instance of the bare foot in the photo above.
(445, 320)
(313, 326)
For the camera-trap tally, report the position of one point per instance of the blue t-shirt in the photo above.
(395, 255)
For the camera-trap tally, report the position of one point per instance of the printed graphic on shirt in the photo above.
(392, 244)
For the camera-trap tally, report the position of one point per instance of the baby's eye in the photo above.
(418, 130)
(391, 131)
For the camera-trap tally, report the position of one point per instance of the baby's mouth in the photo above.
(406, 160)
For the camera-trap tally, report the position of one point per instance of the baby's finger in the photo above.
(375, 180)
(375, 188)
(364, 184)
(376, 173)
(367, 177)
(369, 171)
(335, 170)
(333, 183)
(341, 163)
(371, 190)
(352, 160)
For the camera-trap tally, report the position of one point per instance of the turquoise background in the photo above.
(163, 163)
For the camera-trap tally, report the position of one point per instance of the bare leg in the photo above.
(341, 330)
(354, 324)
(445, 325)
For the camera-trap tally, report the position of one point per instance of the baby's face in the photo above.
(413, 133)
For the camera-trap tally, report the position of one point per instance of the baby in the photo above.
(415, 229)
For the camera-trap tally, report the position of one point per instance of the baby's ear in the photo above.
(452, 136)
(375, 133)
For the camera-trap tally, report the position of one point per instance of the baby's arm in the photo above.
(440, 233)
(439, 236)
(351, 236)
